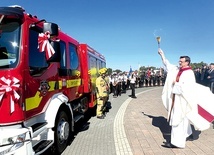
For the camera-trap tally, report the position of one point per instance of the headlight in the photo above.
(12, 143)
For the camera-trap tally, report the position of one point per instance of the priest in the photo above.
(181, 98)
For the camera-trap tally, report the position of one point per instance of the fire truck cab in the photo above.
(47, 83)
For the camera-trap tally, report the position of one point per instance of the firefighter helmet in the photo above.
(102, 71)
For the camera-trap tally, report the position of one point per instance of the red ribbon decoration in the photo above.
(9, 86)
(44, 44)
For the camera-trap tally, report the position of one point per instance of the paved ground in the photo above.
(135, 127)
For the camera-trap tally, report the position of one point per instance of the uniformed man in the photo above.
(124, 82)
(210, 77)
(114, 84)
(102, 93)
(119, 84)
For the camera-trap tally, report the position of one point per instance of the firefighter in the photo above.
(102, 93)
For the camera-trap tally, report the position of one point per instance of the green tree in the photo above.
(109, 71)
(197, 65)
(117, 71)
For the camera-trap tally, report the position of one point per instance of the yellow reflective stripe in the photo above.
(73, 83)
(60, 84)
(33, 102)
(69, 84)
(52, 85)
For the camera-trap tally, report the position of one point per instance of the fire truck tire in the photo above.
(61, 132)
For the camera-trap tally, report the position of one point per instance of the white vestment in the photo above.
(181, 128)
(193, 102)
(194, 94)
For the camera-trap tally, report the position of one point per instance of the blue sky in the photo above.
(124, 31)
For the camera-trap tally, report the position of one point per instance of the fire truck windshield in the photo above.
(9, 43)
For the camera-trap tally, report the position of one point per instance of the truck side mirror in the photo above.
(52, 28)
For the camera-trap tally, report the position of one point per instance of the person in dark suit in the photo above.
(210, 77)
(197, 75)
(204, 71)
(114, 84)
(142, 79)
(132, 79)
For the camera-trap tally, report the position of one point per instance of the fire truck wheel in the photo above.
(62, 132)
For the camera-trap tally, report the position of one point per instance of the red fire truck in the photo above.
(47, 83)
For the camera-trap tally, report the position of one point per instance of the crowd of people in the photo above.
(120, 82)
(205, 76)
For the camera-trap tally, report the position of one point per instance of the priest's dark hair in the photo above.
(187, 59)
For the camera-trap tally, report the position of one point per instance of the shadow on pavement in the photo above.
(163, 125)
